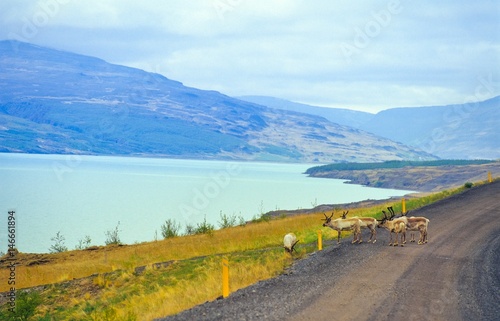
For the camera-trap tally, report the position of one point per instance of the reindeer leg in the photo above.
(354, 238)
(422, 236)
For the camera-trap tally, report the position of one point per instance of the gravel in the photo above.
(453, 277)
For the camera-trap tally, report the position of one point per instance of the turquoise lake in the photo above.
(81, 196)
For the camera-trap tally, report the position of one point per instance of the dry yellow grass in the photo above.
(160, 292)
(254, 252)
(207, 286)
(82, 263)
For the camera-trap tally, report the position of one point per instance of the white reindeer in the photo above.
(289, 242)
(348, 224)
(366, 222)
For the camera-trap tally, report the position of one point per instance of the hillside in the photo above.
(467, 131)
(342, 116)
(64, 103)
(463, 131)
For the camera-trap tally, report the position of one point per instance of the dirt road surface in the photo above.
(456, 276)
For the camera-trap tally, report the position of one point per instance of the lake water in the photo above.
(89, 195)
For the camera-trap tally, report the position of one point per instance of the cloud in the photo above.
(363, 54)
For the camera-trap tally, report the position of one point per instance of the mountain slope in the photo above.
(467, 131)
(347, 117)
(59, 102)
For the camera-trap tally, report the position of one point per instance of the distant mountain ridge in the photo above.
(342, 116)
(463, 131)
(64, 103)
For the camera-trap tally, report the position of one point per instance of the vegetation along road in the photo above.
(455, 276)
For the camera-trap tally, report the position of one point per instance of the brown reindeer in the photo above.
(413, 223)
(366, 222)
(397, 226)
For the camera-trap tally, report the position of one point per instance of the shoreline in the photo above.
(422, 179)
(330, 207)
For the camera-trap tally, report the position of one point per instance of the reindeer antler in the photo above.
(344, 214)
(327, 219)
(391, 210)
(385, 217)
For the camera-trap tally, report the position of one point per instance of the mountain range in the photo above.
(342, 116)
(59, 102)
(461, 131)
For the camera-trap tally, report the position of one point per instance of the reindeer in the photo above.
(413, 223)
(289, 242)
(339, 225)
(366, 222)
(397, 226)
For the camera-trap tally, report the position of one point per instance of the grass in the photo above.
(108, 288)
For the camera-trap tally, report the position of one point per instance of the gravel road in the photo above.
(456, 276)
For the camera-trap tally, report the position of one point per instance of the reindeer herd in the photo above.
(395, 224)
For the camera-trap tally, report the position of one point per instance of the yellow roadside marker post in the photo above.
(225, 278)
(320, 241)
(490, 179)
(403, 205)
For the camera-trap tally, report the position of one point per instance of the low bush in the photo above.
(170, 229)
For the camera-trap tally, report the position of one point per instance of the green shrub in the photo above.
(58, 245)
(227, 220)
(190, 229)
(170, 229)
(26, 305)
(113, 237)
(204, 227)
(84, 243)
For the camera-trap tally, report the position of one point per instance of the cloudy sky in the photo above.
(364, 55)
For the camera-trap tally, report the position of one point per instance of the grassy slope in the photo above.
(192, 276)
